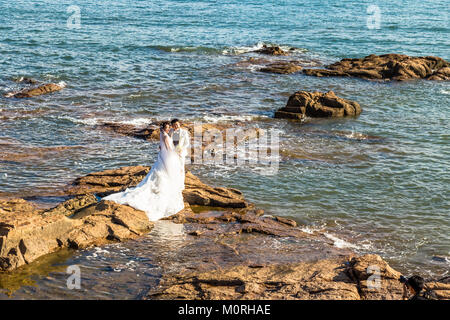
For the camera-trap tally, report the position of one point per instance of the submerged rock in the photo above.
(387, 67)
(317, 105)
(150, 132)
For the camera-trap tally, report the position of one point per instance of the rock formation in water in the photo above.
(195, 193)
(387, 67)
(37, 91)
(272, 66)
(317, 105)
(344, 278)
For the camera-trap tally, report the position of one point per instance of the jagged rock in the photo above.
(281, 67)
(317, 104)
(26, 80)
(387, 67)
(150, 132)
(324, 279)
(195, 192)
(272, 50)
(73, 205)
(366, 271)
(40, 90)
(442, 74)
(237, 222)
(366, 277)
(27, 234)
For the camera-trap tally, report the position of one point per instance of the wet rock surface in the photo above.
(387, 67)
(36, 91)
(317, 105)
(281, 67)
(27, 234)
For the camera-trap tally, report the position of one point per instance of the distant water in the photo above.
(378, 183)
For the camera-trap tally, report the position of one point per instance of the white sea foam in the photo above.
(445, 91)
(95, 121)
(244, 49)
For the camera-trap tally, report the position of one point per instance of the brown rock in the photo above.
(387, 67)
(195, 192)
(26, 80)
(442, 74)
(321, 280)
(272, 50)
(40, 90)
(237, 222)
(366, 271)
(108, 181)
(281, 67)
(199, 193)
(150, 132)
(441, 290)
(317, 104)
(27, 235)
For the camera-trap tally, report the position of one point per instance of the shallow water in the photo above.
(379, 182)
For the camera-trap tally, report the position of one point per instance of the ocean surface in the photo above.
(378, 183)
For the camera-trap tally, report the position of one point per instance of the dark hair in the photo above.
(174, 121)
(165, 124)
(416, 282)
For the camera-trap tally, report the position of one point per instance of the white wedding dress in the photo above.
(159, 194)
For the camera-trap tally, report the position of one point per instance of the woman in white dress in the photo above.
(159, 194)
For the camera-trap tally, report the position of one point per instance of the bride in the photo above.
(160, 193)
